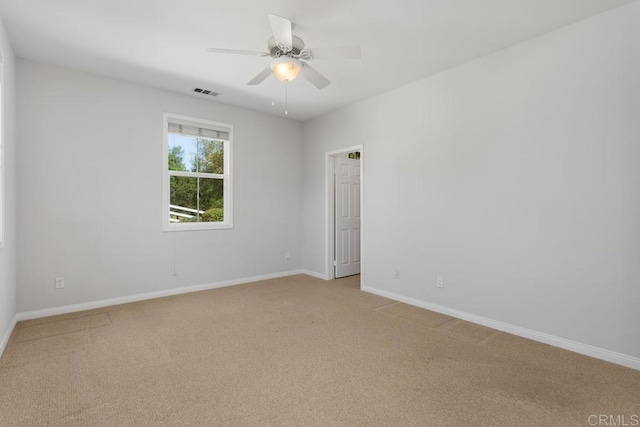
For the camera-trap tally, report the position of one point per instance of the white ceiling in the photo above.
(162, 42)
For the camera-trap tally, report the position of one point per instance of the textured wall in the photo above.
(91, 192)
(515, 177)
(8, 251)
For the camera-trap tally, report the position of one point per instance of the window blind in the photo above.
(187, 128)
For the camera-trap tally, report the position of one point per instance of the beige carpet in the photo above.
(295, 351)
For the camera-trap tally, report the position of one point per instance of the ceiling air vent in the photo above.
(206, 92)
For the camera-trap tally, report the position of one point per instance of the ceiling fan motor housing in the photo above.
(276, 51)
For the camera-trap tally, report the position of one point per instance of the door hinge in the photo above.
(335, 263)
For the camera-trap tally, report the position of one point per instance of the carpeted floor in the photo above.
(295, 351)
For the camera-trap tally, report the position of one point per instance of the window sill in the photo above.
(198, 226)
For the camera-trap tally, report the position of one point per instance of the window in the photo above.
(1, 151)
(197, 174)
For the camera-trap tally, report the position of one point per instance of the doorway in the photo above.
(345, 183)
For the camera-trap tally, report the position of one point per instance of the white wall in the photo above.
(8, 253)
(515, 176)
(90, 183)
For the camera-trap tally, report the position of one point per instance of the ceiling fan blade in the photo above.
(281, 28)
(235, 51)
(311, 74)
(260, 77)
(343, 52)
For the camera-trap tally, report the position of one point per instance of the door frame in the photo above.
(329, 208)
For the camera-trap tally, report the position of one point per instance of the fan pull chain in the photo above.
(286, 97)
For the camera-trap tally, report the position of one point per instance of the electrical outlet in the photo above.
(397, 274)
(59, 282)
(287, 256)
(440, 282)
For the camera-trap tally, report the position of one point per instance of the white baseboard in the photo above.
(314, 274)
(36, 314)
(5, 339)
(586, 349)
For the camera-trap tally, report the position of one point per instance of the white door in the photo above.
(347, 217)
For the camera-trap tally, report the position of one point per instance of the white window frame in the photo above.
(227, 177)
(2, 150)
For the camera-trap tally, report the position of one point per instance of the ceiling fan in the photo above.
(290, 56)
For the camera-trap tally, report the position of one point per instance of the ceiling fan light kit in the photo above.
(286, 69)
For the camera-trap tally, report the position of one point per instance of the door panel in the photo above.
(347, 217)
(344, 260)
(356, 209)
(344, 192)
